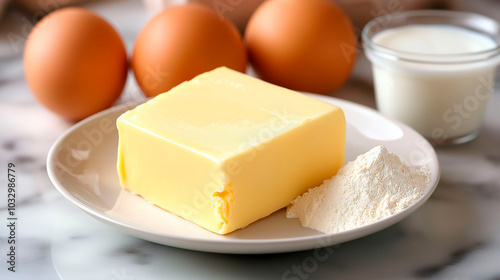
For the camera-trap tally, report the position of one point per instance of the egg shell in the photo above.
(182, 42)
(75, 63)
(305, 45)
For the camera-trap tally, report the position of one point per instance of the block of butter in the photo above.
(225, 149)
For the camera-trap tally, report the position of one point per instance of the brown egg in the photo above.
(75, 63)
(305, 45)
(182, 42)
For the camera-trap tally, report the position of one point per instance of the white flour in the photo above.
(374, 186)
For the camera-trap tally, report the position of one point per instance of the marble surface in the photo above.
(455, 235)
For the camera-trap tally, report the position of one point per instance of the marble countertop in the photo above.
(455, 235)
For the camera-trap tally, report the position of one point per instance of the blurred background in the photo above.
(17, 18)
(360, 11)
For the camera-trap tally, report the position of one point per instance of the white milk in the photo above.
(441, 100)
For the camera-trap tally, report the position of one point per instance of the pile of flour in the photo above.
(374, 186)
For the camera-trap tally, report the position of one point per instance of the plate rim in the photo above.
(242, 246)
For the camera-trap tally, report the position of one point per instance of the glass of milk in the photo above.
(434, 70)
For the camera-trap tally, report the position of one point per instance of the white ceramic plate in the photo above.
(82, 166)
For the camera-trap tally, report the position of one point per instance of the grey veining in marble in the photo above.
(455, 235)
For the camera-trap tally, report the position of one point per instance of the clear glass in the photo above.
(442, 96)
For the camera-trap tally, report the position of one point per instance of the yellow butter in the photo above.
(225, 149)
